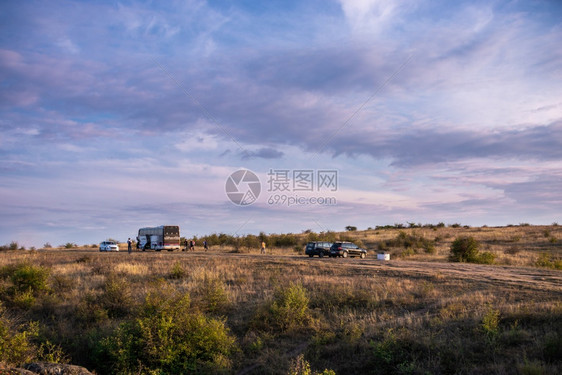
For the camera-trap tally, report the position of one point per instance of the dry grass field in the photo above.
(236, 311)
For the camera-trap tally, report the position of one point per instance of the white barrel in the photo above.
(383, 256)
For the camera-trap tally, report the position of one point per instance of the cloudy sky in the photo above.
(118, 115)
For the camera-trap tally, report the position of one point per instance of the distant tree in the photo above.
(350, 228)
(13, 245)
(47, 245)
(465, 249)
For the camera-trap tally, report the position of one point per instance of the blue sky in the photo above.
(119, 115)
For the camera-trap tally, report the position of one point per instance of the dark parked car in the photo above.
(319, 248)
(347, 249)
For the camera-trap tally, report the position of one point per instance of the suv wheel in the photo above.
(362, 255)
(321, 254)
(344, 254)
(310, 255)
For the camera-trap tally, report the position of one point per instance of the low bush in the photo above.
(177, 272)
(290, 307)
(396, 355)
(116, 296)
(27, 282)
(26, 276)
(547, 261)
(300, 366)
(485, 258)
(114, 301)
(167, 337)
(288, 311)
(214, 295)
(490, 323)
(16, 346)
(464, 249)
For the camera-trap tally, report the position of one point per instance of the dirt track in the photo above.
(540, 279)
(524, 277)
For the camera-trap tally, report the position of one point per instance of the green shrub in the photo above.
(485, 258)
(288, 311)
(16, 346)
(300, 366)
(26, 276)
(395, 356)
(168, 337)
(23, 300)
(177, 272)
(490, 322)
(49, 352)
(27, 282)
(546, 260)
(116, 297)
(214, 295)
(464, 249)
(290, 307)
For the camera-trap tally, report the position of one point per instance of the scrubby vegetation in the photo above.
(410, 243)
(226, 312)
(167, 336)
(465, 249)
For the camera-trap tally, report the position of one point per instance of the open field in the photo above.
(252, 314)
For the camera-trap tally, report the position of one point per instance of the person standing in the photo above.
(205, 245)
(129, 245)
(263, 247)
(192, 245)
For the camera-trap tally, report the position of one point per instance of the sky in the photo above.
(121, 115)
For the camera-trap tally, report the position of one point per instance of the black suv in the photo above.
(319, 248)
(345, 249)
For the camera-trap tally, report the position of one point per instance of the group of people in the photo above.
(190, 245)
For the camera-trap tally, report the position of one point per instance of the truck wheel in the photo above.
(344, 254)
(321, 254)
(310, 255)
(362, 255)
